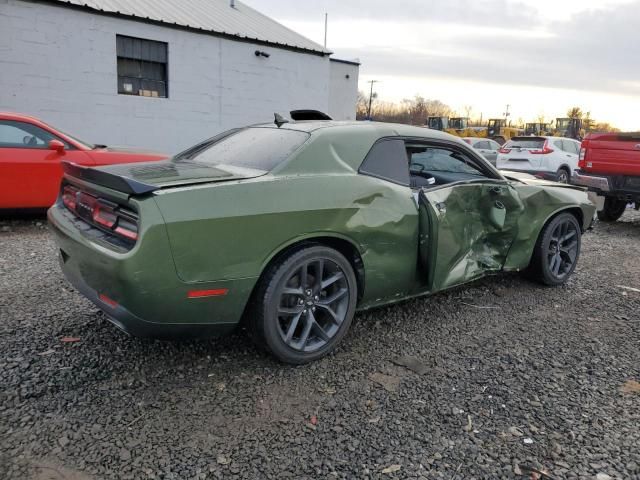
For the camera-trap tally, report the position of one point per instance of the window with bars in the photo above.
(142, 67)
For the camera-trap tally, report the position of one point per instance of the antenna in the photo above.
(279, 120)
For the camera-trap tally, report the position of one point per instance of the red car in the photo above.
(30, 156)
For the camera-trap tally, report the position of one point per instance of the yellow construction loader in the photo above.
(569, 127)
(458, 126)
(498, 130)
(537, 129)
(438, 123)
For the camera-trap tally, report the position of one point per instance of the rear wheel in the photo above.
(613, 209)
(304, 305)
(563, 175)
(557, 250)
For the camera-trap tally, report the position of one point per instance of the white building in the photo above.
(161, 74)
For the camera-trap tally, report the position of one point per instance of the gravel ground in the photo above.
(503, 376)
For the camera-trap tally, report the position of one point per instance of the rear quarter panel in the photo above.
(232, 230)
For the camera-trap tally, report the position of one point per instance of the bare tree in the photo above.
(575, 112)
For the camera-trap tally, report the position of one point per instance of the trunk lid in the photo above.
(145, 177)
(523, 153)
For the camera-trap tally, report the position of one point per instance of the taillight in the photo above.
(504, 150)
(545, 149)
(127, 225)
(582, 158)
(104, 215)
(69, 195)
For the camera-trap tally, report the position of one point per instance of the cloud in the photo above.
(593, 50)
(482, 12)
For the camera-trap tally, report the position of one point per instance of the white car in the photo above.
(485, 146)
(551, 158)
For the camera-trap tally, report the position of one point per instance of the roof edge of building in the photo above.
(136, 18)
(348, 62)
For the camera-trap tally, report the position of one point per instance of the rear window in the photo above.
(256, 148)
(532, 143)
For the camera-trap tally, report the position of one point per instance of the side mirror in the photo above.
(56, 145)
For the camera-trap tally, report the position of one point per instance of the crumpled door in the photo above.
(466, 231)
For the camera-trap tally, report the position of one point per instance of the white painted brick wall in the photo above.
(59, 64)
(343, 91)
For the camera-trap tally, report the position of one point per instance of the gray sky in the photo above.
(541, 56)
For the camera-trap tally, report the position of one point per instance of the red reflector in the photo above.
(126, 233)
(107, 300)
(504, 150)
(207, 293)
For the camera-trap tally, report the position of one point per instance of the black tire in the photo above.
(563, 175)
(613, 209)
(557, 250)
(284, 310)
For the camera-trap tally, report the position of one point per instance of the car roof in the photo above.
(17, 117)
(545, 137)
(384, 129)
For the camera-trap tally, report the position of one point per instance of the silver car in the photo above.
(485, 146)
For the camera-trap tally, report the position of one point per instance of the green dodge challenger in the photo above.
(293, 227)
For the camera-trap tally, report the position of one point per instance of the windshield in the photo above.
(528, 143)
(257, 148)
(77, 140)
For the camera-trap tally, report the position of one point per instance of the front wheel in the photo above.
(304, 305)
(613, 209)
(557, 250)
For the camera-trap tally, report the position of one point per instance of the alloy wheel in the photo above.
(313, 303)
(563, 249)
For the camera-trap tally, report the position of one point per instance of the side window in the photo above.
(494, 145)
(441, 160)
(387, 160)
(484, 145)
(23, 135)
(558, 144)
(571, 147)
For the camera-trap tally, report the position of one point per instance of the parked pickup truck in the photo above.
(609, 165)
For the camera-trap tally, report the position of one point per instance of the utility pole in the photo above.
(371, 97)
(326, 22)
(506, 116)
(506, 113)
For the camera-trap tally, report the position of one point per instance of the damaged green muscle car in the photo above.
(292, 228)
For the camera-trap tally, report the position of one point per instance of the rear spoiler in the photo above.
(298, 115)
(109, 180)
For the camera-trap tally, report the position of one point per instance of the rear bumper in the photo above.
(621, 187)
(136, 326)
(139, 290)
(593, 182)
